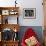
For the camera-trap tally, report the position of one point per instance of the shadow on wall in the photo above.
(37, 29)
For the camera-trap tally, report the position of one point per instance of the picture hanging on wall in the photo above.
(29, 13)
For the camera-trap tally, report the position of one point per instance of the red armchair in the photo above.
(30, 34)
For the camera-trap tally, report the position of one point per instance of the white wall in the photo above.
(39, 13)
(27, 4)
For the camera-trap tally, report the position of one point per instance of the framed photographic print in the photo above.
(30, 13)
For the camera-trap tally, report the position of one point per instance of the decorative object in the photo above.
(12, 12)
(5, 12)
(29, 13)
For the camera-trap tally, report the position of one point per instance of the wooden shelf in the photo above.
(9, 8)
(4, 13)
(11, 26)
(9, 43)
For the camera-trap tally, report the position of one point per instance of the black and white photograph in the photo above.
(29, 13)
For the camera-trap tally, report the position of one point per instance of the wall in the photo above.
(27, 4)
(39, 13)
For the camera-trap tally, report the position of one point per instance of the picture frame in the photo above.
(29, 13)
(5, 12)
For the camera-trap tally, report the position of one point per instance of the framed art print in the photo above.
(29, 13)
